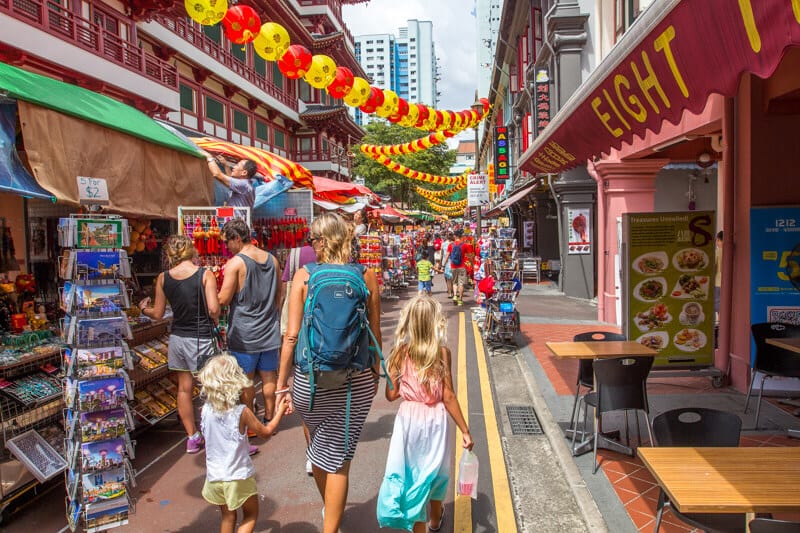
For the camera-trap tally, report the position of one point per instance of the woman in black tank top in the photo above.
(183, 286)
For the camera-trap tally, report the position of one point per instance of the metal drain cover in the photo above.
(523, 420)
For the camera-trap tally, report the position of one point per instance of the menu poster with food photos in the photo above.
(668, 285)
(580, 231)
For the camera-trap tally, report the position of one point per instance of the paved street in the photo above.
(522, 485)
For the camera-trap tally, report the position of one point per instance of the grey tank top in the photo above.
(254, 318)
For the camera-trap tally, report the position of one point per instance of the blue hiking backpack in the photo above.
(335, 340)
(456, 255)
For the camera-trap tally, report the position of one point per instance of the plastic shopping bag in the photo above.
(468, 475)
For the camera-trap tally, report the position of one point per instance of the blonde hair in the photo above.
(337, 235)
(421, 333)
(223, 380)
(179, 248)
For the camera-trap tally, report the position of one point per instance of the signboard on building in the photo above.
(542, 100)
(580, 231)
(501, 154)
(477, 189)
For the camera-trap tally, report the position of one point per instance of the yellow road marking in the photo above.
(504, 508)
(462, 521)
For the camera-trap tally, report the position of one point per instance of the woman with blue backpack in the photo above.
(332, 352)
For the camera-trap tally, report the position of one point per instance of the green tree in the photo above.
(436, 160)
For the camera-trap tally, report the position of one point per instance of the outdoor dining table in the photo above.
(727, 480)
(599, 350)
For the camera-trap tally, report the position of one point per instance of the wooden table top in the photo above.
(598, 349)
(792, 343)
(727, 480)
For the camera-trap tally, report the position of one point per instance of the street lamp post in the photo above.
(478, 108)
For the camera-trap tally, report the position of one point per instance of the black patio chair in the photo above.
(698, 427)
(586, 376)
(769, 525)
(771, 360)
(621, 384)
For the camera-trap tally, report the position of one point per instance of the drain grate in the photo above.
(523, 420)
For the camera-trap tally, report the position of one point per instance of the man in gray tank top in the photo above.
(252, 289)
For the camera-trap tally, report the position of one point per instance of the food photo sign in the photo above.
(668, 284)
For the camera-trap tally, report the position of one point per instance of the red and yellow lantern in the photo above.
(321, 72)
(272, 41)
(295, 62)
(241, 24)
(373, 101)
(342, 82)
(206, 12)
(358, 94)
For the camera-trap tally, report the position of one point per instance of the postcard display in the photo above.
(502, 319)
(668, 284)
(97, 419)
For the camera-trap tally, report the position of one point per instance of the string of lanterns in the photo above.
(271, 41)
(427, 193)
(450, 211)
(416, 175)
(418, 145)
(448, 203)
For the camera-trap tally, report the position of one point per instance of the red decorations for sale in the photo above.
(241, 23)
(295, 62)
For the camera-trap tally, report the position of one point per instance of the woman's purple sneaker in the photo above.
(195, 443)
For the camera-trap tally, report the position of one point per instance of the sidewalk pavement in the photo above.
(622, 496)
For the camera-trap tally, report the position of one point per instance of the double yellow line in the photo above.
(504, 508)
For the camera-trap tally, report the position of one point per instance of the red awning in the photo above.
(323, 185)
(676, 55)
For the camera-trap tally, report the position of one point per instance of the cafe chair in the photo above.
(698, 427)
(769, 525)
(620, 385)
(586, 376)
(770, 360)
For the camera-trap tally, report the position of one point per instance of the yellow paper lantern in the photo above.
(321, 72)
(390, 103)
(206, 12)
(411, 118)
(359, 94)
(272, 41)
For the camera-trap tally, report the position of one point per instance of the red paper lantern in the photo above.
(342, 83)
(241, 23)
(439, 118)
(402, 110)
(295, 62)
(375, 99)
(424, 112)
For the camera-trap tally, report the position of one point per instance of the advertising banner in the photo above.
(501, 153)
(580, 231)
(477, 189)
(668, 285)
(542, 84)
(775, 264)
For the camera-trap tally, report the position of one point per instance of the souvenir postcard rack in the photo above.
(96, 390)
(502, 318)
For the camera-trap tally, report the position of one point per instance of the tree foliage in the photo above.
(436, 160)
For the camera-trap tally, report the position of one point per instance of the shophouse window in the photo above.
(306, 144)
(187, 98)
(239, 52)
(215, 110)
(280, 139)
(260, 65)
(305, 91)
(262, 131)
(214, 33)
(241, 122)
(277, 76)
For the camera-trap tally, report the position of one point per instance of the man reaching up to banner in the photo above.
(238, 180)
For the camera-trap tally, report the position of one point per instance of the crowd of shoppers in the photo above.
(267, 310)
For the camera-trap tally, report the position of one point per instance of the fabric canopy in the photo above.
(676, 55)
(390, 214)
(87, 105)
(333, 206)
(511, 200)
(269, 164)
(327, 185)
(14, 178)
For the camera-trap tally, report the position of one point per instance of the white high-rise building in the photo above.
(406, 64)
(488, 13)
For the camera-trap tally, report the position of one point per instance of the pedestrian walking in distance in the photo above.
(230, 473)
(418, 465)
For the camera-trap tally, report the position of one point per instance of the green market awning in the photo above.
(87, 105)
(676, 54)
